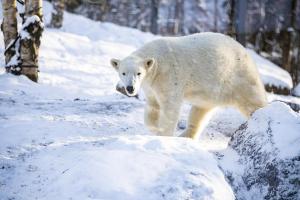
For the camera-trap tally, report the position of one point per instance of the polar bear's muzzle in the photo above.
(130, 89)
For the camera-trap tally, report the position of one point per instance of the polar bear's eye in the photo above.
(123, 74)
(139, 73)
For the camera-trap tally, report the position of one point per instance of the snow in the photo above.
(272, 74)
(283, 118)
(72, 136)
(296, 90)
(20, 7)
(118, 168)
(30, 20)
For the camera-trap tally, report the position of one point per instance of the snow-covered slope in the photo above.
(72, 136)
(115, 168)
(270, 73)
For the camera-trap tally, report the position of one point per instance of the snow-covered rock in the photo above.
(116, 168)
(263, 158)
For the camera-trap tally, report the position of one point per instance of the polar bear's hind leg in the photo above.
(197, 120)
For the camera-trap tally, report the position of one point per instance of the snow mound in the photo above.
(270, 73)
(122, 168)
(263, 159)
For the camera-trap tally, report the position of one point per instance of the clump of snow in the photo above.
(262, 161)
(270, 73)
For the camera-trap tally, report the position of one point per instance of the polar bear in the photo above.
(205, 69)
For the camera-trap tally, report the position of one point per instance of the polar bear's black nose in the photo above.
(129, 89)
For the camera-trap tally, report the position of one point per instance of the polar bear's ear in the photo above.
(115, 63)
(149, 62)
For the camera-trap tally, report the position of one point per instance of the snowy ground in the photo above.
(72, 136)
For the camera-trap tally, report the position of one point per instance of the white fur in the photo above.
(206, 69)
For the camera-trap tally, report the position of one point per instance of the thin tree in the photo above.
(57, 13)
(179, 17)
(288, 40)
(154, 16)
(216, 15)
(231, 14)
(241, 21)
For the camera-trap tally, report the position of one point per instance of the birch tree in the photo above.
(10, 31)
(21, 49)
(31, 33)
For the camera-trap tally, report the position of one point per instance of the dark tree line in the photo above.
(273, 28)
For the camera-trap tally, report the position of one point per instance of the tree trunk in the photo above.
(288, 44)
(57, 13)
(286, 37)
(296, 66)
(154, 16)
(270, 26)
(179, 15)
(9, 28)
(216, 16)
(30, 38)
(231, 14)
(241, 21)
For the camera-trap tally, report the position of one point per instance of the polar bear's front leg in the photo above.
(169, 114)
(196, 122)
(151, 114)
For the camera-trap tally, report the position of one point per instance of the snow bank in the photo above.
(271, 74)
(263, 159)
(296, 90)
(115, 168)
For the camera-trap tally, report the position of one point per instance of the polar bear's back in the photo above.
(201, 53)
(205, 51)
(212, 64)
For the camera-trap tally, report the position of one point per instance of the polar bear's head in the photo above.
(132, 72)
